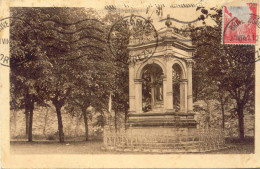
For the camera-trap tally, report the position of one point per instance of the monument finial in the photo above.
(168, 22)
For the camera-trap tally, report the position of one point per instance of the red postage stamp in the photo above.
(239, 24)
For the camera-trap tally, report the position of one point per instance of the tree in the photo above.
(64, 38)
(27, 67)
(93, 80)
(120, 59)
(91, 87)
(229, 67)
(69, 45)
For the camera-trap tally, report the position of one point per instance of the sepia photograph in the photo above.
(155, 79)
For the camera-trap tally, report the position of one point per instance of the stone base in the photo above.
(167, 119)
(165, 151)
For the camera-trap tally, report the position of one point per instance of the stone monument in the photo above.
(160, 85)
(161, 117)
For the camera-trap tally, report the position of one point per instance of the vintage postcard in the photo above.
(130, 84)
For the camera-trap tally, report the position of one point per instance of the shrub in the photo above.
(53, 136)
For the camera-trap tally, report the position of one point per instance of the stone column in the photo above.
(165, 106)
(131, 88)
(152, 92)
(183, 96)
(138, 96)
(169, 94)
(189, 74)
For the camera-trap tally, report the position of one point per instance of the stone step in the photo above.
(166, 150)
(159, 150)
(168, 140)
(189, 148)
(169, 149)
(156, 144)
(156, 150)
(160, 147)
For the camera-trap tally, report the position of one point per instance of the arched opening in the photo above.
(176, 77)
(152, 88)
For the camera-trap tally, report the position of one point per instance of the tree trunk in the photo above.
(240, 113)
(77, 126)
(45, 123)
(86, 123)
(15, 121)
(30, 123)
(208, 113)
(223, 115)
(125, 118)
(60, 126)
(26, 122)
(115, 121)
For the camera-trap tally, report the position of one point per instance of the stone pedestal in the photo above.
(170, 120)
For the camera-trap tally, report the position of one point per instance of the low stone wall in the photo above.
(175, 141)
(45, 125)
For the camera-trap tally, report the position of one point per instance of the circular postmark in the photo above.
(255, 19)
(20, 34)
(133, 31)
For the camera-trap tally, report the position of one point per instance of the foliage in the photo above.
(120, 58)
(67, 62)
(228, 69)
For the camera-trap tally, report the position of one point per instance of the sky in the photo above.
(182, 14)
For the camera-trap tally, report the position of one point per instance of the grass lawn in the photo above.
(54, 147)
(94, 147)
